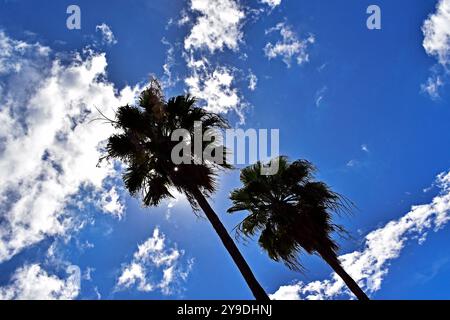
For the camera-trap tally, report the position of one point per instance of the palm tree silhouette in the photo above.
(291, 212)
(144, 145)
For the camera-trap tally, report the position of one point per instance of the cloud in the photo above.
(289, 47)
(436, 30)
(436, 42)
(111, 203)
(357, 163)
(169, 80)
(213, 86)
(252, 81)
(365, 148)
(352, 163)
(178, 200)
(371, 265)
(320, 95)
(12, 52)
(153, 256)
(184, 18)
(49, 141)
(107, 34)
(271, 3)
(218, 26)
(31, 282)
(428, 275)
(433, 85)
(87, 275)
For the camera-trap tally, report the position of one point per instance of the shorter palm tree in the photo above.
(292, 213)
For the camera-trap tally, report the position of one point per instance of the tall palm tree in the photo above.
(292, 213)
(143, 143)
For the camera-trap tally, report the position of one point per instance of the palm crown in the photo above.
(291, 211)
(145, 145)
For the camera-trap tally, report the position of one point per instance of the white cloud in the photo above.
(49, 142)
(218, 26)
(12, 52)
(98, 295)
(252, 81)
(436, 30)
(153, 256)
(111, 203)
(289, 47)
(169, 80)
(87, 275)
(213, 86)
(107, 34)
(365, 148)
(320, 95)
(353, 163)
(370, 266)
(184, 19)
(178, 200)
(433, 85)
(31, 282)
(271, 3)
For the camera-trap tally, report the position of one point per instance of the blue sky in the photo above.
(370, 108)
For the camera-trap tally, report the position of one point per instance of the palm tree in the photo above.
(143, 143)
(292, 213)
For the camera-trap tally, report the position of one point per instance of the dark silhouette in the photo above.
(292, 213)
(144, 145)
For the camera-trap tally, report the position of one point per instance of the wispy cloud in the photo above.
(151, 257)
(169, 79)
(353, 163)
(436, 31)
(289, 47)
(112, 203)
(107, 34)
(320, 95)
(252, 81)
(433, 86)
(360, 161)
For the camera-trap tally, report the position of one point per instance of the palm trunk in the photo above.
(231, 247)
(334, 263)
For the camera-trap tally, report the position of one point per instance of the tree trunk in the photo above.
(231, 247)
(334, 263)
